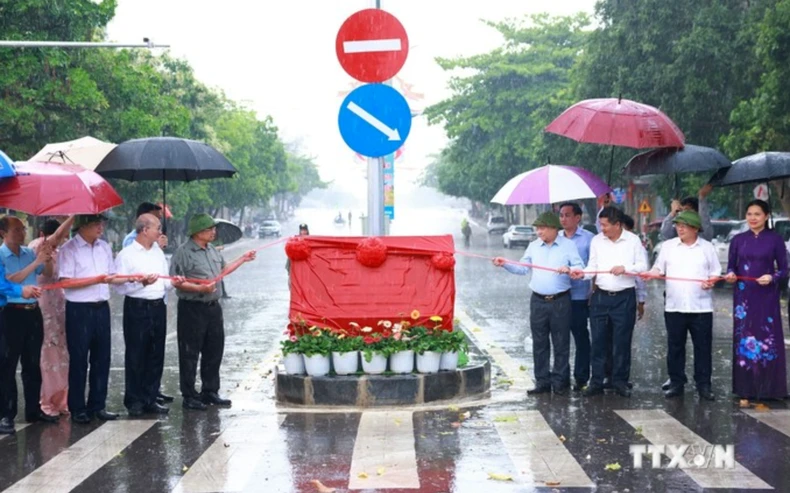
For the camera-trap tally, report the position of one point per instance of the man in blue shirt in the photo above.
(550, 305)
(21, 323)
(570, 218)
(146, 208)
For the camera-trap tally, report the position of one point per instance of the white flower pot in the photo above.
(317, 365)
(428, 362)
(449, 361)
(294, 364)
(402, 362)
(377, 365)
(346, 363)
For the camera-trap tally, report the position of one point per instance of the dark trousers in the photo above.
(144, 331)
(550, 322)
(21, 336)
(201, 335)
(580, 314)
(619, 309)
(700, 326)
(88, 340)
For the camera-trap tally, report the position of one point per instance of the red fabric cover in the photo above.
(297, 249)
(332, 288)
(371, 252)
(443, 261)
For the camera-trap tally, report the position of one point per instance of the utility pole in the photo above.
(376, 186)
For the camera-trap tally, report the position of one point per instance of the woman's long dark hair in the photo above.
(765, 208)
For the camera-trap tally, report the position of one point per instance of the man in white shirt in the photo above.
(689, 305)
(615, 252)
(144, 316)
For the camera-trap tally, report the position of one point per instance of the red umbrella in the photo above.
(617, 122)
(50, 189)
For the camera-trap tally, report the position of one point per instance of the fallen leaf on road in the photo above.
(506, 419)
(499, 477)
(453, 408)
(464, 416)
(613, 467)
(638, 430)
(397, 422)
(504, 381)
(522, 368)
(601, 440)
(553, 483)
(380, 471)
(760, 407)
(227, 445)
(442, 433)
(743, 403)
(455, 424)
(185, 469)
(562, 439)
(319, 486)
(476, 329)
(362, 475)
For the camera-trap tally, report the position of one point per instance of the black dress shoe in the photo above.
(706, 393)
(592, 390)
(622, 390)
(81, 418)
(164, 398)
(214, 398)
(194, 404)
(607, 384)
(7, 426)
(666, 385)
(106, 415)
(562, 391)
(136, 411)
(40, 416)
(579, 386)
(543, 389)
(156, 409)
(674, 391)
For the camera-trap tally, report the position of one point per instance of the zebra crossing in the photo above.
(460, 450)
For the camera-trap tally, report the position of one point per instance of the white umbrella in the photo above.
(86, 152)
(551, 184)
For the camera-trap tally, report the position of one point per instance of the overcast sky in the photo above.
(279, 57)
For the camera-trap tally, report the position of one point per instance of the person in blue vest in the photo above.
(21, 324)
(147, 208)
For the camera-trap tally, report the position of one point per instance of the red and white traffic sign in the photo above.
(372, 45)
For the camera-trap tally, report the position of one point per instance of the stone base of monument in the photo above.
(473, 381)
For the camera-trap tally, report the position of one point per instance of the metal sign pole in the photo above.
(376, 188)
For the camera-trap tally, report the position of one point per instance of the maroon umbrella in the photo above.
(50, 189)
(617, 122)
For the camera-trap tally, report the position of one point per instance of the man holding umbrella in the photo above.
(201, 333)
(698, 205)
(147, 208)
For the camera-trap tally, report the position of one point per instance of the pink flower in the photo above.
(397, 336)
(294, 338)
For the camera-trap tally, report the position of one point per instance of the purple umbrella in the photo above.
(551, 184)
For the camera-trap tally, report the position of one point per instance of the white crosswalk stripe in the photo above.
(660, 428)
(384, 454)
(778, 419)
(78, 462)
(537, 451)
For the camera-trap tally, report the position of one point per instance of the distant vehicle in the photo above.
(519, 235)
(269, 228)
(496, 225)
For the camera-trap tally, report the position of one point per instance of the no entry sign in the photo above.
(372, 45)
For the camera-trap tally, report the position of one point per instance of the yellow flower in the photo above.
(415, 315)
(436, 318)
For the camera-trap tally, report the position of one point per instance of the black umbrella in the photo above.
(689, 159)
(765, 166)
(166, 159)
(227, 232)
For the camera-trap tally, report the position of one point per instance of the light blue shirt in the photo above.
(561, 253)
(580, 290)
(129, 239)
(13, 264)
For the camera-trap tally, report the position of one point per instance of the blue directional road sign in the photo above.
(374, 120)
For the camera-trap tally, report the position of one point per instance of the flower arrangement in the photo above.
(317, 342)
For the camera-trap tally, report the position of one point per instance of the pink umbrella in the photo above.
(50, 189)
(551, 184)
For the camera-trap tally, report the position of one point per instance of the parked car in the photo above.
(519, 235)
(269, 228)
(496, 225)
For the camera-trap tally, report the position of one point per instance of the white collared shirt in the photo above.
(606, 254)
(135, 259)
(697, 261)
(77, 259)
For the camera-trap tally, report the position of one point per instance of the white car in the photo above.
(496, 224)
(269, 228)
(518, 236)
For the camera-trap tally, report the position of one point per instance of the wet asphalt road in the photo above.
(258, 446)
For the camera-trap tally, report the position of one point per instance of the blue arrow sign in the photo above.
(374, 120)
